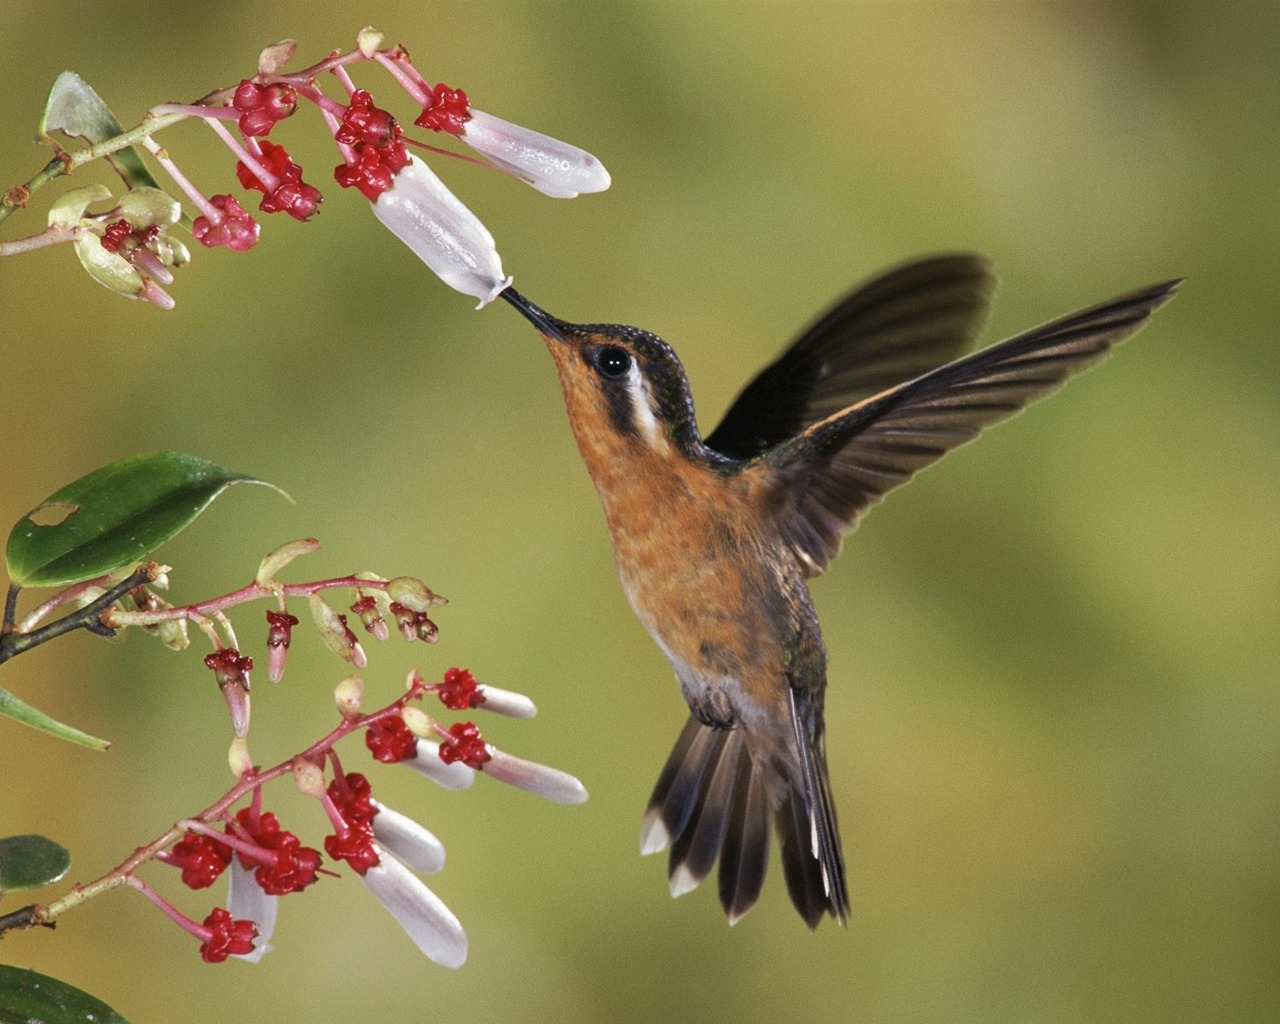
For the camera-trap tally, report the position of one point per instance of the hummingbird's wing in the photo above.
(887, 330)
(847, 462)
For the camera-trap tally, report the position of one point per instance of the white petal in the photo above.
(450, 776)
(410, 842)
(553, 167)
(420, 912)
(555, 785)
(446, 236)
(245, 899)
(507, 702)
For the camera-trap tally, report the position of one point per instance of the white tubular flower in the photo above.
(246, 900)
(551, 783)
(408, 841)
(554, 168)
(427, 762)
(444, 234)
(506, 702)
(420, 912)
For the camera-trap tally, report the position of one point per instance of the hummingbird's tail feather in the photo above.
(809, 833)
(713, 801)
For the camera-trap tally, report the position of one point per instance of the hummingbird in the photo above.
(715, 537)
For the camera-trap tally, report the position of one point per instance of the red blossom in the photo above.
(389, 740)
(463, 742)
(226, 936)
(365, 124)
(202, 859)
(261, 106)
(353, 797)
(356, 847)
(292, 870)
(353, 843)
(459, 690)
(234, 228)
(288, 866)
(446, 110)
(291, 194)
(378, 151)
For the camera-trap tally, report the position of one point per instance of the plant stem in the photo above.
(88, 617)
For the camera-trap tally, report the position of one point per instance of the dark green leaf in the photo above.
(114, 517)
(27, 715)
(28, 862)
(30, 998)
(73, 108)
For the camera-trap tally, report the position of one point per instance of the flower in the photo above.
(247, 900)
(225, 936)
(427, 761)
(442, 232)
(408, 841)
(554, 168)
(420, 912)
(128, 248)
(551, 783)
(227, 224)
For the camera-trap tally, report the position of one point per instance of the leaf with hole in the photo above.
(114, 517)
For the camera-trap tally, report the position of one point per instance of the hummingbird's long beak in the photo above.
(544, 322)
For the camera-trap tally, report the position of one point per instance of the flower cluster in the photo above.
(386, 849)
(132, 255)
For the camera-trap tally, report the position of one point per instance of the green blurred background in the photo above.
(1053, 706)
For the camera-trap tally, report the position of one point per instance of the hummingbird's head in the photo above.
(624, 388)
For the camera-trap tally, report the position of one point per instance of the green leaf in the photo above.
(73, 108)
(114, 517)
(28, 862)
(30, 998)
(27, 715)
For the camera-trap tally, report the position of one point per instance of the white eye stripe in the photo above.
(641, 405)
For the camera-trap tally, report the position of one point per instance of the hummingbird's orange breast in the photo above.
(701, 575)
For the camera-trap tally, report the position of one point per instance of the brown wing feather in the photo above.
(894, 327)
(842, 465)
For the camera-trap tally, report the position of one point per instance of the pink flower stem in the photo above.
(326, 105)
(49, 236)
(252, 782)
(340, 73)
(197, 197)
(253, 592)
(414, 84)
(245, 157)
(245, 846)
(198, 110)
(177, 916)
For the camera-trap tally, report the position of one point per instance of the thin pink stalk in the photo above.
(49, 236)
(198, 110)
(194, 194)
(174, 914)
(414, 84)
(244, 156)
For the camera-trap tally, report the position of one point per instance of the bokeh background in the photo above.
(1053, 712)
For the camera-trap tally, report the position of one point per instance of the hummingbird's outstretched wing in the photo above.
(840, 466)
(887, 330)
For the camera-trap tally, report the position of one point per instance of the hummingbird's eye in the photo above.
(613, 362)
